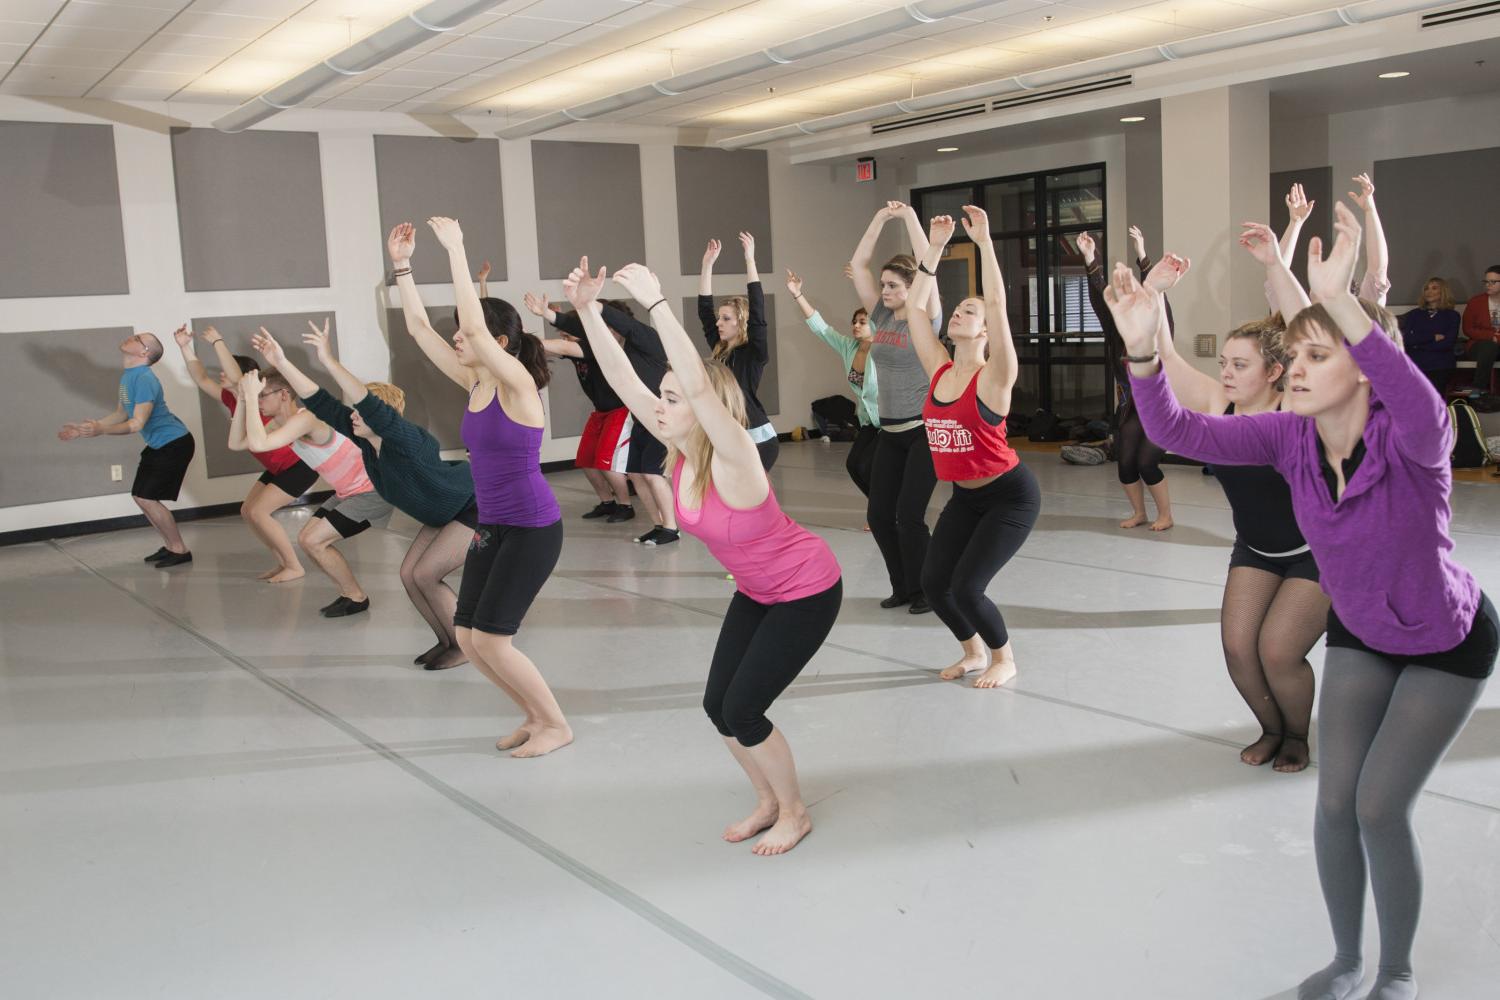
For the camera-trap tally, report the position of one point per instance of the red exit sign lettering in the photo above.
(864, 169)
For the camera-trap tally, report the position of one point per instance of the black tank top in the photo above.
(1261, 503)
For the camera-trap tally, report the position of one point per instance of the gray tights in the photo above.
(1382, 728)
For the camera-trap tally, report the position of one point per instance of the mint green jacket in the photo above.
(869, 407)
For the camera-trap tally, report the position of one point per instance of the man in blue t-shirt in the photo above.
(169, 445)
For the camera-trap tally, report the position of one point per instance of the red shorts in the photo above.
(606, 441)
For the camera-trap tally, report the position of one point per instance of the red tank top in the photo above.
(964, 444)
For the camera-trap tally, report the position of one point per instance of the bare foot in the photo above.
(999, 672)
(515, 739)
(763, 818)
(968, 662)
(544, 739)
(287, 575)
(1262, 750)
(785, 834)
(1162, 523)
(1134, 521)
(271, 572)
(453, 656)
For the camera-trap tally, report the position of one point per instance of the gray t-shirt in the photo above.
(903, 381)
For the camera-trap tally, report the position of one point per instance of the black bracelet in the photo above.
(401, 272)
(922, 266)
(1145, 359)
(797, 296)
(658, 302)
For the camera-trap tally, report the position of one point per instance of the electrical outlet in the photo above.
(116, 473)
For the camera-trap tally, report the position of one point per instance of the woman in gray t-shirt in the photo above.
(902, 481)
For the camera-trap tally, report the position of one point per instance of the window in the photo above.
(1034, 222)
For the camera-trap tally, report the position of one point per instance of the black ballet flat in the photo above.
(160, 553)
(919, 606)
(174, 559)
(894, 601)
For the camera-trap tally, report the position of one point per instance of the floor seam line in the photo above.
(705, 946)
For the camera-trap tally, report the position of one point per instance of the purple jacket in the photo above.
(1383, 550)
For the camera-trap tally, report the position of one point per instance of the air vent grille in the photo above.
(1467, 12)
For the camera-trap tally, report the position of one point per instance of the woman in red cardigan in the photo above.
(1482, 328)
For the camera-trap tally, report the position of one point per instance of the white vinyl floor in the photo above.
(207, 791)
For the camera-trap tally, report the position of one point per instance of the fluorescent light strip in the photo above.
(827, 40)
(393, 39)
(1302, 24)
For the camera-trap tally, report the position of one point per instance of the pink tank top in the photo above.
(339, 462)
(773, 558)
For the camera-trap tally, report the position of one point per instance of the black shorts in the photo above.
(503, 573)
(1473, 657)
(1301, 566)
(161, 470)
(647, 455)
(294, 480)
(469, 516)
(353, 514)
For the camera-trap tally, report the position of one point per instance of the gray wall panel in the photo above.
(419, 176)
(250, 210)
(1317, 184)
(608, 224)
(288, 329)
(719, 194)
(62, 375)
(770, 395)
(568, 408)
(62, 191)
(432, 401)
(1455, 236)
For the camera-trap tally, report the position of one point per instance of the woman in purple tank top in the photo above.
(788, 584)
(519, 536)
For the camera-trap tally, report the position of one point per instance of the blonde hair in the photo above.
(733, 397)
(741, 308)
(1315, 320)
(1445, 293)
(1269, 335)
(388, 394)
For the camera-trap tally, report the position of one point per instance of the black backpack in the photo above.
(835, 416)
(1469, 448)
(1045, 426)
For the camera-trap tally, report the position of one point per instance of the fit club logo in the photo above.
(947, 436)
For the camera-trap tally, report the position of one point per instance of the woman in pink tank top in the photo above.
(327, 452)
(788, 584)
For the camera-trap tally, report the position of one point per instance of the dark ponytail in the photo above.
(502, 320)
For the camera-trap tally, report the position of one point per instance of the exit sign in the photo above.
(864, 169)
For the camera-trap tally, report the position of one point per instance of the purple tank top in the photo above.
(505, 458)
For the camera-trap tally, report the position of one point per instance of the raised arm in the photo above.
(1298, 208)
(400, 244)
(582, 289)
(757, 333)
(867, 284)
(256, 436)
(1003, 364)
(268, 348)
(561, 347)
(1287, 296)
(752, 275)
(739, 476)
(196, 371)
(924, 339)
(317, 338)
(506, 368)
(707, 316)
(1194, 389)
(482, 277)
(1376, 282)
(237, 441)
(794, 285)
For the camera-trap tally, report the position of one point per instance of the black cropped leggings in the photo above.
(901, 486)
(977, 534)
(1138, 457)
(761, 650)
(861, 461)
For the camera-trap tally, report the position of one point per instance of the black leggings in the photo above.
(1138, 457)
(901, 485)
(861, 461)
(762, 648)
(503, 572)
(768, 450)
(977, 533)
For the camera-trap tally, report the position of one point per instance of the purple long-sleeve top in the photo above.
(1383, 550)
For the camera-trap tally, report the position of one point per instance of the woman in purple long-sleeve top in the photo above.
(1411, 639)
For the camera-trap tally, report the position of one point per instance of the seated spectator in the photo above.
(1430, 333)
(1482, 327)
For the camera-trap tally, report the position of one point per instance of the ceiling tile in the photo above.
(51, 55)
(32, 11)
(92, 14)
(19, 32)
(142, 78)
(193, 45)
(10, 52)
(57, 81)
(528, 29)
(486, 47)
(170, 62)
(76, 36)
(582, 11)
(454, 65)
(222, 25)
(250, 8)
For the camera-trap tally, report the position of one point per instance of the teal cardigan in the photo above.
(869, 399)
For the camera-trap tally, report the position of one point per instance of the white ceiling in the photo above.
(526, 58)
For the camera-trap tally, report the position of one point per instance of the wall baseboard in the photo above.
(77, 528)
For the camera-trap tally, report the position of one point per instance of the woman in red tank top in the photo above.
(995, 498)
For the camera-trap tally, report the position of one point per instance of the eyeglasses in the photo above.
(1492, 281)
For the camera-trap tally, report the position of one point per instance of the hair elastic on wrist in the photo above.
(401, 272)
(922, 266)
(657, 303)
(1145, 359)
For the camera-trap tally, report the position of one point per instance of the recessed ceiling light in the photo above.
(1131, 119)
(1394, 75)
(947, 149)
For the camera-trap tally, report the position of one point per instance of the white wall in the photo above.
(816, 218)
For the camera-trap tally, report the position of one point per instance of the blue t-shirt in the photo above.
(140, 385)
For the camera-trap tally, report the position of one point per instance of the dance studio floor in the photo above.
(207, 791)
